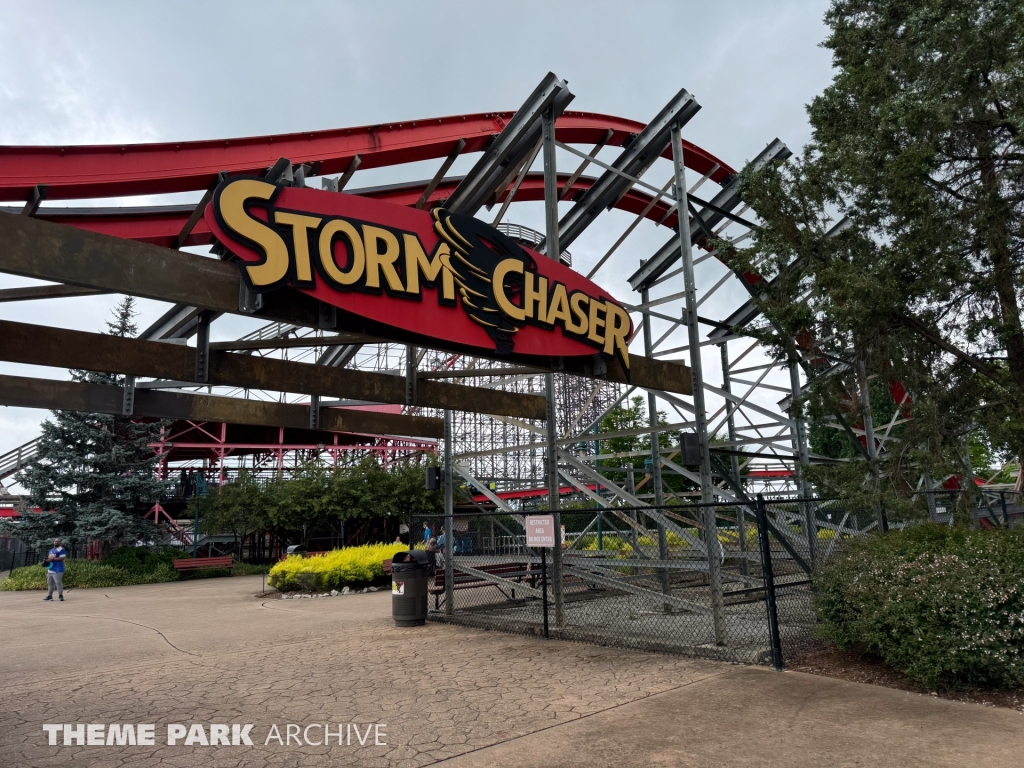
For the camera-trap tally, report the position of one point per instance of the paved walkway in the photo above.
(210, 652)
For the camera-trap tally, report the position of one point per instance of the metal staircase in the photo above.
(17, 459)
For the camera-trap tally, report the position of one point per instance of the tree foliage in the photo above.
(94, 476)
(627, 417)
(317, 497)
(918, 143)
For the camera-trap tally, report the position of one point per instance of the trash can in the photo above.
(409, 574)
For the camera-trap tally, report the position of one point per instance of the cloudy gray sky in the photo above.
(106, 72)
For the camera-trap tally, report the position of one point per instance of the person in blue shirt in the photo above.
(55, 571)
(427, 533)
(440, 556)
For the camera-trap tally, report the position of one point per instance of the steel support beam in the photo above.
(551, 424)
(707, 489)
(799, 433)
(28, 392)
(178, 322)
(727, 199)
(46, 292)
(749, 310)
(35, 198)
(62, 348)
(439, 176)
(734, 461)
(449, 518)
(511, 146)
(633, 161)
(655, 438)
(197, 212)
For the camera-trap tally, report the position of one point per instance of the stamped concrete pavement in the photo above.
(210, 652)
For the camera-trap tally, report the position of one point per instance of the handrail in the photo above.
(18, 458)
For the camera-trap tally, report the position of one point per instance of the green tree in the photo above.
(918, 142)
(94, 476)
(240, 508)
(369, 490)
(304, 502)
(629, 417)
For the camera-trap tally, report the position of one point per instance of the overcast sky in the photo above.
(103, 72)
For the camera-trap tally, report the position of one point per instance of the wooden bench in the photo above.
(195, 563)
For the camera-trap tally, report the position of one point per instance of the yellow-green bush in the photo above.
(615, 542)
(354, 566)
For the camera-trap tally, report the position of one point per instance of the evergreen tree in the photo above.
(919, 142)
(94, 476)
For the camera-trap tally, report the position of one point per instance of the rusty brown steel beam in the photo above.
(303, 341)
(29, 392)
(48, 251)
(46, 292)
(63, 348)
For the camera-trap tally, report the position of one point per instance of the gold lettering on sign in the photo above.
(332, 230)
(597, 322)
(578, 304)
(378, 261)
(418, 264)
(535, 297)
(233, 214)
(300, 225)
(503, 270)
(559, 308)
(367, 257)
(618, 329)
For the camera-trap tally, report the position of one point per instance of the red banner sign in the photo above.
(435, 273)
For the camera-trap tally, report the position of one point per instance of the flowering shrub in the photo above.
(944, 605)
(354, 566)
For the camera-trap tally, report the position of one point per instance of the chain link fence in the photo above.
(650, 578)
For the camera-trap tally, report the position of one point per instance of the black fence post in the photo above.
(769, 584)
(883, 520)
(544, 586)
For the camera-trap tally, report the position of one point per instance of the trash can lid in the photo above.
(417, 556)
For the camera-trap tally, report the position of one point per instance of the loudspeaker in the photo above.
(689, 447)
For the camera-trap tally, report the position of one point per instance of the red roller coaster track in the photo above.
(80, 172)
(160, 225)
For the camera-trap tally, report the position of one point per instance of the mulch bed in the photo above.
(861, 668)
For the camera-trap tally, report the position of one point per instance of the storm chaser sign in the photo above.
(437, 274)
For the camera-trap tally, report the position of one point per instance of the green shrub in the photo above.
(121, 568)
(250, 569)
(86, 574)
(141, 560)
(944, 605)
(354, 566)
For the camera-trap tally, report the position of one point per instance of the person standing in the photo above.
(55, 571)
